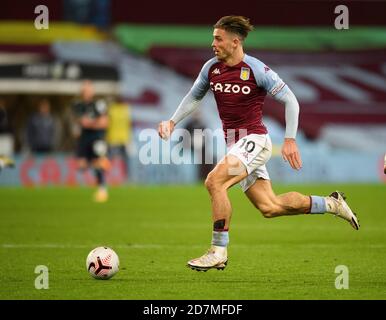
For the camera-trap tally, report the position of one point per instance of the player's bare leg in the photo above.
(293, 203)
(226, 173)
(272, 205)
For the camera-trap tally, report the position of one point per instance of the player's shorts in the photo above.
(253, 151)
(91, 147)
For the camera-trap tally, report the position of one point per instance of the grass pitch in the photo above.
(155, 230)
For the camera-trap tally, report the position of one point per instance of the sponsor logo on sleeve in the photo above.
(277, 88)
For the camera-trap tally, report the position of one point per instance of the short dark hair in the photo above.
(236, 24)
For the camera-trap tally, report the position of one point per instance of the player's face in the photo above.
(87, 91)
(224, 44)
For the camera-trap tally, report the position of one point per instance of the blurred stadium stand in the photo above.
(149, 58)
(200, 12)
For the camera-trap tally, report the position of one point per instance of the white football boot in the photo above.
(215, 258)
(337, 205)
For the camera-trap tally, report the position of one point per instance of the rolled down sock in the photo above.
(220, 238)
(318, 205)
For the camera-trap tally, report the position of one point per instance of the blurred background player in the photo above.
(119, 132)
(41, 131)
(91, 149)
(5, 161)
(240, 84)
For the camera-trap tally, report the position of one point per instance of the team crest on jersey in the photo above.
(244, 74)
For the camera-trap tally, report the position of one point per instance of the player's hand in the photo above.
(165, 129)
(86, 122)
(290, 153)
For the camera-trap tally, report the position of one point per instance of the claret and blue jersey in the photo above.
(239, 92)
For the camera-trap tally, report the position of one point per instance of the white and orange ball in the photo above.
(102, 263)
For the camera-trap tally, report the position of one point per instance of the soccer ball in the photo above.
(102, 263)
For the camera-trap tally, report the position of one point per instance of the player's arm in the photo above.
(98, 123)
(188, 104)
(75, 116)
(290, 151)
(271, 82)
(101, 121)
(79, 116)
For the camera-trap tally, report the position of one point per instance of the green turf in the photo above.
(155, 230)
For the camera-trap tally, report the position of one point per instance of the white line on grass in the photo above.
(179, 246)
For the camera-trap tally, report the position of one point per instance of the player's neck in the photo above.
(235, 59)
